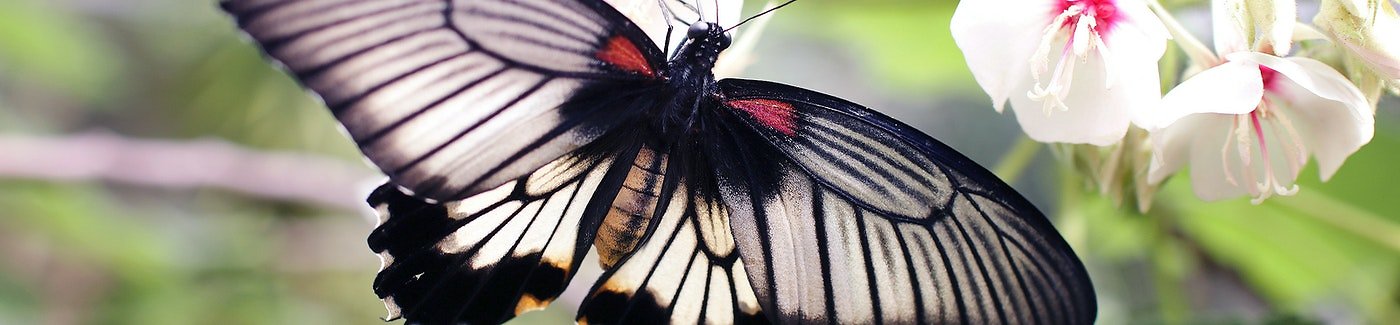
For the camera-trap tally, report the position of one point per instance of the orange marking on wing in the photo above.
(774, 114)
(529, 302)
(622, 53)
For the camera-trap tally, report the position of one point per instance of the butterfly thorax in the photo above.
(689, 74)
(697, 56)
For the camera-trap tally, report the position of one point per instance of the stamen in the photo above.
(1242, 145)
(1272, 184)
(1085, 27)
(1264, 189)
(1083, 39)
(1041, 59)
(1225, 153)
(1052, 95)
(1297, 152)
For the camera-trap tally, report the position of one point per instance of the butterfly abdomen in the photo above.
(632, 210)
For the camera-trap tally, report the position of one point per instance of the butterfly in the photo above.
(518, 135)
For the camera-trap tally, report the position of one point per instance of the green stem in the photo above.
(1168, 255)
(1015, 161)
(1071, 219)
(1345, 216)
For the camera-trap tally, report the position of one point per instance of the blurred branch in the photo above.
(187, 164)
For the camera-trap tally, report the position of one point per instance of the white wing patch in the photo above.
(449, 98)
(489, 257)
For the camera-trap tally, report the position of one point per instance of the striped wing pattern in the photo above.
(870, 222)
(490, 257)
(452, 98)
(684, 270)
(494, 120)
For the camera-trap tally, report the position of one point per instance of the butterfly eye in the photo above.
(699, 29)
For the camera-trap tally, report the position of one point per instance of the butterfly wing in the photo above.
(495, 255)
(668, 251)
(453, 98)
(857, 218)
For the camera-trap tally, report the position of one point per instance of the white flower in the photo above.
(1367, 29)
(1074, 70)
(1248, 124)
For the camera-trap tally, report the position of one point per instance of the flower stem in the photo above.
(1197, 51)
(1345, 216)
(1014, 163)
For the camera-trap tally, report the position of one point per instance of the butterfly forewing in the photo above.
(860, 219)
(452, 98)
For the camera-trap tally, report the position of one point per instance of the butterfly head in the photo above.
(709, 37)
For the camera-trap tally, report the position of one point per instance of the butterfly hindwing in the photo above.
(493, 256)
(453, 98)
(677, 262)
(857, 218)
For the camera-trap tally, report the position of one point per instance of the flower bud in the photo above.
(1274, 22)
(1367, 30)
(1119, 171)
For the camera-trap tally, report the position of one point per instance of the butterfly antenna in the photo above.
(765, 12)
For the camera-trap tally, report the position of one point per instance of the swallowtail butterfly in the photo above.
(519, 134)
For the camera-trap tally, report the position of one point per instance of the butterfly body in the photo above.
(519, 135)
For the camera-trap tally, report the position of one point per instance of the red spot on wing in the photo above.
(774, 114)
(620, 52)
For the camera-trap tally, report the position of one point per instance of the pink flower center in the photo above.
(1104, 11)
(1082, 25)
(1269, 76)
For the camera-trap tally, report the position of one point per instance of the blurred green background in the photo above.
(155, 170)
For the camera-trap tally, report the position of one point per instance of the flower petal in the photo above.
(1097, 114)
(998, 38)
(1199, 139)
(1171, 146)
(1313, 75)
(1135, 46)
(1229, 88)
(1139, 20)
(1333, 124)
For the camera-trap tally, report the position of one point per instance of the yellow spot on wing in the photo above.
(528, 302)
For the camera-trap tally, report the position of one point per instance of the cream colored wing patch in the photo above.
(686, 272)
